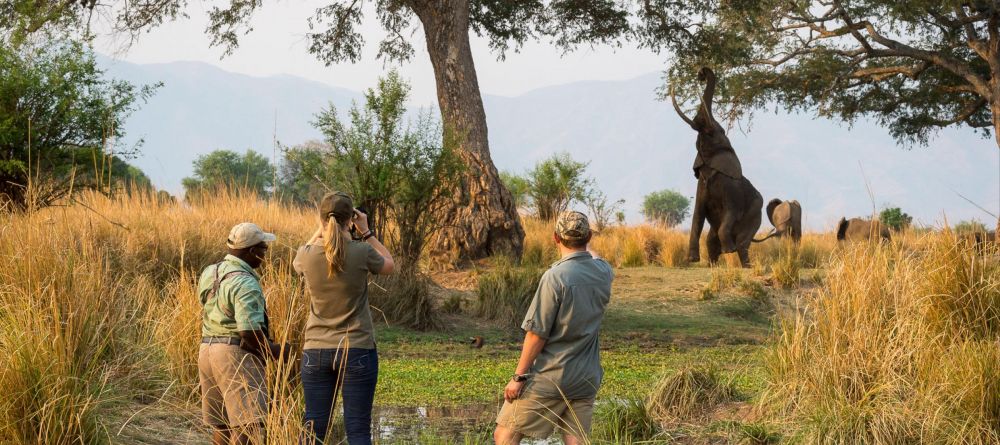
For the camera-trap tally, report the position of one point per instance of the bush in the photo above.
(623, 422)
(506, 292)
(895, 218)
(666, 208)
(687, 394)
(405, 299)
(555, 183)
(224, 169)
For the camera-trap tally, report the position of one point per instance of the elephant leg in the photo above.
(726, 236)
(744, 253)
(714, 245)
(697, 224)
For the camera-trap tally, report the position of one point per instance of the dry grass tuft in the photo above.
(687, 394)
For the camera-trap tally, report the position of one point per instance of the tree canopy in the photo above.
(250, 172)
(913, 66)
(666, 207)
(62, 118)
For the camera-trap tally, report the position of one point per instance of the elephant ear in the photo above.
(698, 164)
(727, 163)
(771, 205)
(841, 229)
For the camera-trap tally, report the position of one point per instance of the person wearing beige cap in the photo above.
(339, 355)
(559, 372)
(235, 340)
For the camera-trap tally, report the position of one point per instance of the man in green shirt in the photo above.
(235, 340)
(559, 372)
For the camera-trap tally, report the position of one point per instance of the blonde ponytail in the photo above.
(335, 246)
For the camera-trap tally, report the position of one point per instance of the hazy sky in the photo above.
(277, 45)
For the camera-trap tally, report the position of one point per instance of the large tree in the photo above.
(482, 219)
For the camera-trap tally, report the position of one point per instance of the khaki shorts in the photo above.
(233, 391)
(537, 417)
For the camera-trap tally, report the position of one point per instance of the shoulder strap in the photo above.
(215, 288)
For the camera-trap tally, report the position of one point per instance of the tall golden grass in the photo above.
(901, 345)
(98, 308)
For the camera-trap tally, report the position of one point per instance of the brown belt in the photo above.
(235, 341)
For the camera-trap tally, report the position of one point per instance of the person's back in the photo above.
(559, 372)
(570, 365)
(339, 354)
(339, 314)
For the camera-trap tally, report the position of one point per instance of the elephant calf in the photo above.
(861, 229)
(786, 217)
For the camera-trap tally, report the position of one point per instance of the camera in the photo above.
(371, 223)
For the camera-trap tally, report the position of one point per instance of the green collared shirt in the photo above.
(567, 311)
(238, 305)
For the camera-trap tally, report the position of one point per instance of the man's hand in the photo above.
(281, 350)
(513, 390)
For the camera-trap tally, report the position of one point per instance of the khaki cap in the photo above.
(246, 235)
(572, 226)
(338, 204)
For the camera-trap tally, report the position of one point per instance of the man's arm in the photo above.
(533, 344)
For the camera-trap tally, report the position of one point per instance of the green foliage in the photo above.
(555, 183)
(251, 172)
(308, 171)
(57, 104)
(969, 226)
(519, 188)
(895, 218)
(602, 212)
(666, 207)
(623, 422)
(398, 171)
(912, 66)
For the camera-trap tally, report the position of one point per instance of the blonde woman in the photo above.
(339, 351)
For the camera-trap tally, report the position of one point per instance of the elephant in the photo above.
(786, 217)
(861, 229)
(725, 197)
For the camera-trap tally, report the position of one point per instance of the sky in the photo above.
(277, 45)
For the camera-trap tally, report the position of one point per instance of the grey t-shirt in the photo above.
(567, 311)
(339, 316)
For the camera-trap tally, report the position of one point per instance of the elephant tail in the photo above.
(774, 232)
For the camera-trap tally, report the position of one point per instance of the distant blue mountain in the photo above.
(635, 144)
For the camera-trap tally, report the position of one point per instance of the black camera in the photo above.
(371, 223)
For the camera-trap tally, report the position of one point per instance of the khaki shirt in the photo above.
(239, 303)
(339, 316)
(567, 311)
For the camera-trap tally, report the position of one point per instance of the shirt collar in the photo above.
(573, 256)
(242, 264)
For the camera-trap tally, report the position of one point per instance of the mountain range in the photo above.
(634, 143)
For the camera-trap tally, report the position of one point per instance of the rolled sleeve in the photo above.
(544, 307)
(374, 261)
(249, 307)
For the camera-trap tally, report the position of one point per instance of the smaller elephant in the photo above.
(861, 229)
(786, 217)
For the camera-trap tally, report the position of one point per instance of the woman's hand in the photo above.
(360, 221)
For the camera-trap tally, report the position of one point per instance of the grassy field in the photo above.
(99, 328)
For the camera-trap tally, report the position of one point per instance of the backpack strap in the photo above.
(215, 289)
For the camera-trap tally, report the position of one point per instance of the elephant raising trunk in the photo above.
(725, 197)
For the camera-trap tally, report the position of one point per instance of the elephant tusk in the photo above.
(677, 108)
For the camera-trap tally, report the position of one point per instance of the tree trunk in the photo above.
(482, 219)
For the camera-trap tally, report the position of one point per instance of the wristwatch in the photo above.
(520, 377)
(367, 235)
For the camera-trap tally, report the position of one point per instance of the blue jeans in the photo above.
(327, 371)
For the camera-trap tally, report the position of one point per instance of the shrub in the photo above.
(623, 422)
(506, 291)
(895, 218)
(405, 299)
(555, 183)
(666, 208)
(686, 394)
